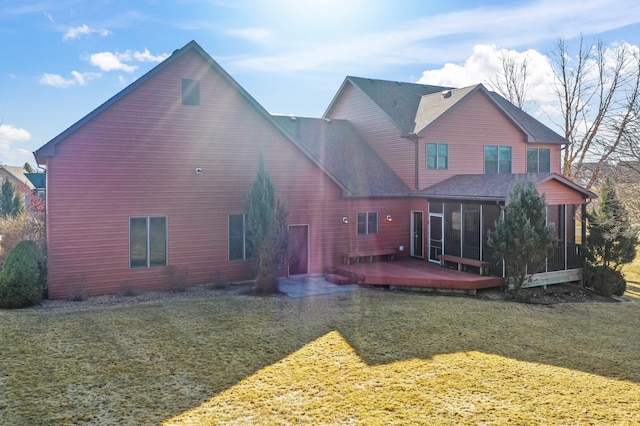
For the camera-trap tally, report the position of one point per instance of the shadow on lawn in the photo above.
(395, 329)
(152, 362)
(597, 338)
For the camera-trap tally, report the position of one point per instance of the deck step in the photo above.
(339, 279)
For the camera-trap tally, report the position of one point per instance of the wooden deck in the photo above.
(416, 273)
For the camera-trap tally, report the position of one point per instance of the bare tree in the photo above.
(512, 80)
(598, 93)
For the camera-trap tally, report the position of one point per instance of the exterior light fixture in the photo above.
(389, 218)
(345, 219)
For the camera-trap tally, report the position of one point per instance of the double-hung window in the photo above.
(147, 241)
(367, 223)
(437, 156)
(538, 160)
(238, 247)
(497, 159)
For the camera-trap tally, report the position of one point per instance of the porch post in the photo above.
(566, 250)
(481, 234)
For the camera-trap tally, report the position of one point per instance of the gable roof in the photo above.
(345, 154)
(492, 187)
(538, 132)
(398, 100)
(413, 107)
(19, 174)
(49, 149)
(434, 106)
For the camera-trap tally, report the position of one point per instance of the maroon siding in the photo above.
(557, 193)
(467, 128)
(378, 130)
(138, 158)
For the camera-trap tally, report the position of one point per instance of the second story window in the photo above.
(538, 160)
(497, 159)
(367, 223)
(437, 156)
(190, 92)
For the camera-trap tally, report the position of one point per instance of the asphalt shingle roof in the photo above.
(433, 106)
(535, 128)
(397, 99)
(490, 187)
(340, 149)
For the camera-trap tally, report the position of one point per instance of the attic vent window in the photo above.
(446, 94)
(190, 92)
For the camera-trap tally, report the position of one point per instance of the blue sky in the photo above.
(63, 58)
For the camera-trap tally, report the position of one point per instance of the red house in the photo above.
(158, 174)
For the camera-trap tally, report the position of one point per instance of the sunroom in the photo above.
(463, 210)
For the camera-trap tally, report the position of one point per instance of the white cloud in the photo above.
(78, 79)
(73, 33)
(447, 37)
(485, 64)
(146, 56)
(9, 136)
(108, 61)
(254, 35)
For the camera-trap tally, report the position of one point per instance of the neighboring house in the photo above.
(15, 175)
(31, 195)
(158, 175)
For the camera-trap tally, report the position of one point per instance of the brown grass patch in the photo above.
(632, 275)
(369, 357)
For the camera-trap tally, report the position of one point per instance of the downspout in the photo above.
(416, 139)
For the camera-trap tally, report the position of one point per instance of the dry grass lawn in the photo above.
(365, 357)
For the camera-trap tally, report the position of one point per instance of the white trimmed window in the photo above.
(367, 223)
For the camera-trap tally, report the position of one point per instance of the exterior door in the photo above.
(298, 249)
(436, 237)
(417, 234)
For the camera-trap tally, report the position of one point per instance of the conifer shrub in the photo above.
(22, 277)
(606, 280)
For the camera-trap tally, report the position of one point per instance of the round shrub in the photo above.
(22, 277)
(606, 281)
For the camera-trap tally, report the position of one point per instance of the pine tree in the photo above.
(522, 237)
(27, 168)
(611, 242)
(267, 235)
(10, 201)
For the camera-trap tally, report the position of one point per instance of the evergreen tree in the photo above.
(522, 238)
(27, 168)
(10, 201)
(267, 234)
(611, 242)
